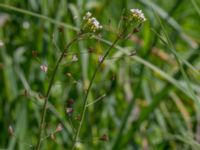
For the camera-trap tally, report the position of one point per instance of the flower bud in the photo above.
(10, 130)
(74, 58)
(69, 110)
(100, 58)
(59, 128)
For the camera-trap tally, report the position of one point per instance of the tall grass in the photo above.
(147, 100)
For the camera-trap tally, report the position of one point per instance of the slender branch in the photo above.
(44, 108)
(119, 36)
(97, 100)
(88, 91)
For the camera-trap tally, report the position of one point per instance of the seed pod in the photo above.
(104, 138)
(34, 53)
(53, 137)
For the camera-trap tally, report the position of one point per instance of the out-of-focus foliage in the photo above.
(148, 101)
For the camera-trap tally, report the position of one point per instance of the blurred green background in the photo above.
(149, 101)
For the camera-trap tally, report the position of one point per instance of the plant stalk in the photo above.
(44, 108)
(88, 91)
(119, 36)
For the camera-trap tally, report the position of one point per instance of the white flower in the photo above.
(1, 44)
(59, 128)
(75, 17)
(88, 15)
(95, 25)
(74, 58)
(26, 25)
(69, 110)
(138, 14)
(91, 24)
(95, 22)
(44, 68)
(100, 59)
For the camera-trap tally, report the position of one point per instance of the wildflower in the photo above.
(1, 44)
(100, 59)
(59, 128)
(87, 16)
(75, 17)
(138, 15)
(90, 24)
(69, 110)
(44, 68)
(68, 74)
(26, 25)
(74, 58)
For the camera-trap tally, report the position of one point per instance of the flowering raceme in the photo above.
(90, 24)
(138, 15)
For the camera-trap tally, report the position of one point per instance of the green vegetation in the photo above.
(125, 87)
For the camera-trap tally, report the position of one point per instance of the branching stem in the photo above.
(85, 101)
(44, 108)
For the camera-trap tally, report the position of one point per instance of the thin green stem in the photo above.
(44, 108)
(97, 100)
(119, 36)
(23, 11)
(91, 83)
(88, 91)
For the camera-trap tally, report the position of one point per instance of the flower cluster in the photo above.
(90, 24)
(138, 15)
